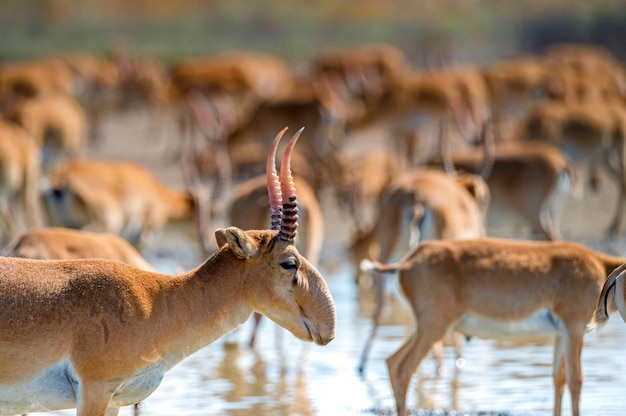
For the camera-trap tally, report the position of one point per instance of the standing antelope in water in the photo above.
(422, 204)
(495, 288)
(98, 334)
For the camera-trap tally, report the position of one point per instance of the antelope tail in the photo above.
(369, 266)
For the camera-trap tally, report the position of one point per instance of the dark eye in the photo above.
(289, 264)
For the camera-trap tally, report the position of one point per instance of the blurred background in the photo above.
(455, 30)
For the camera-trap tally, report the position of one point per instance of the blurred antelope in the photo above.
(246, 78)
(320, 105)
(99, 334)
(515, 85)
(429, 204)
(492, 288)
(368, 71)
(420, 98)
(589, 132)
(19, 180)
(35, 78)
(529, 179)
(119, 197)
(51, 243)
(58, 124)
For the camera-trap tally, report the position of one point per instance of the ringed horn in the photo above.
(282, 191)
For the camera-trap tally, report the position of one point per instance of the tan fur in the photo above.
(506, 281)
(233, 85)
(29, 79)
(113, 330)
(588, 62)
(369, 71)
(589, 132)
(528, 179)
(418, 99)
(514, 86)
(57, 122)
(362, 179)
(321, 108)
(53, 243)
(568, 85)
(307, 109)
(19, 180)
(92, 73)
(433, 201)
(241, 72)
(118, 197)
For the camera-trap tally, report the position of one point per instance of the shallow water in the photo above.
(283, 376)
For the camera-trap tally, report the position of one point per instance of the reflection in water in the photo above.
(284, 376)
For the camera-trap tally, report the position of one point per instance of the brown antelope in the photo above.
(369, 71)
(591, 132)
(98, 334)
(34, 78)
(438, 93)
(247, 77)
(239, 81)
(249, 200)
(585, 59)
(429, 204)
(97, 85)
(528, 179)
(56, 243)
(19, 180)
(514, 85)
(93, 74)
(493, 288)
(123, 198)
(419, 98)
(319, 105)
(362, 179)
(57, 122)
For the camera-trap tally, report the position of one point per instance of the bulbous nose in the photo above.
(327, 325)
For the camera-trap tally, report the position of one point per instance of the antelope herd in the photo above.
(419, 162)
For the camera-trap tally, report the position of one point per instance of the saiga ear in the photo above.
(241, 245)
(220, 237)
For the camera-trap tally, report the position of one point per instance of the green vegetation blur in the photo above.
(438, 30)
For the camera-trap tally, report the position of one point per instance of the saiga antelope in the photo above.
(494, 288)
(362, 178)
(588, 132)
(19, 179)
(457, 95)
(528, 179)
(99, 334)
(425, 204)
(369, 71)
(118, 197)
(33, 78)
(57, 243)
(58, 124)
(321, 105)
(249, 202)
(514, 86)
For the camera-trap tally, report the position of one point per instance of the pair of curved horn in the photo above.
(281, 190)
